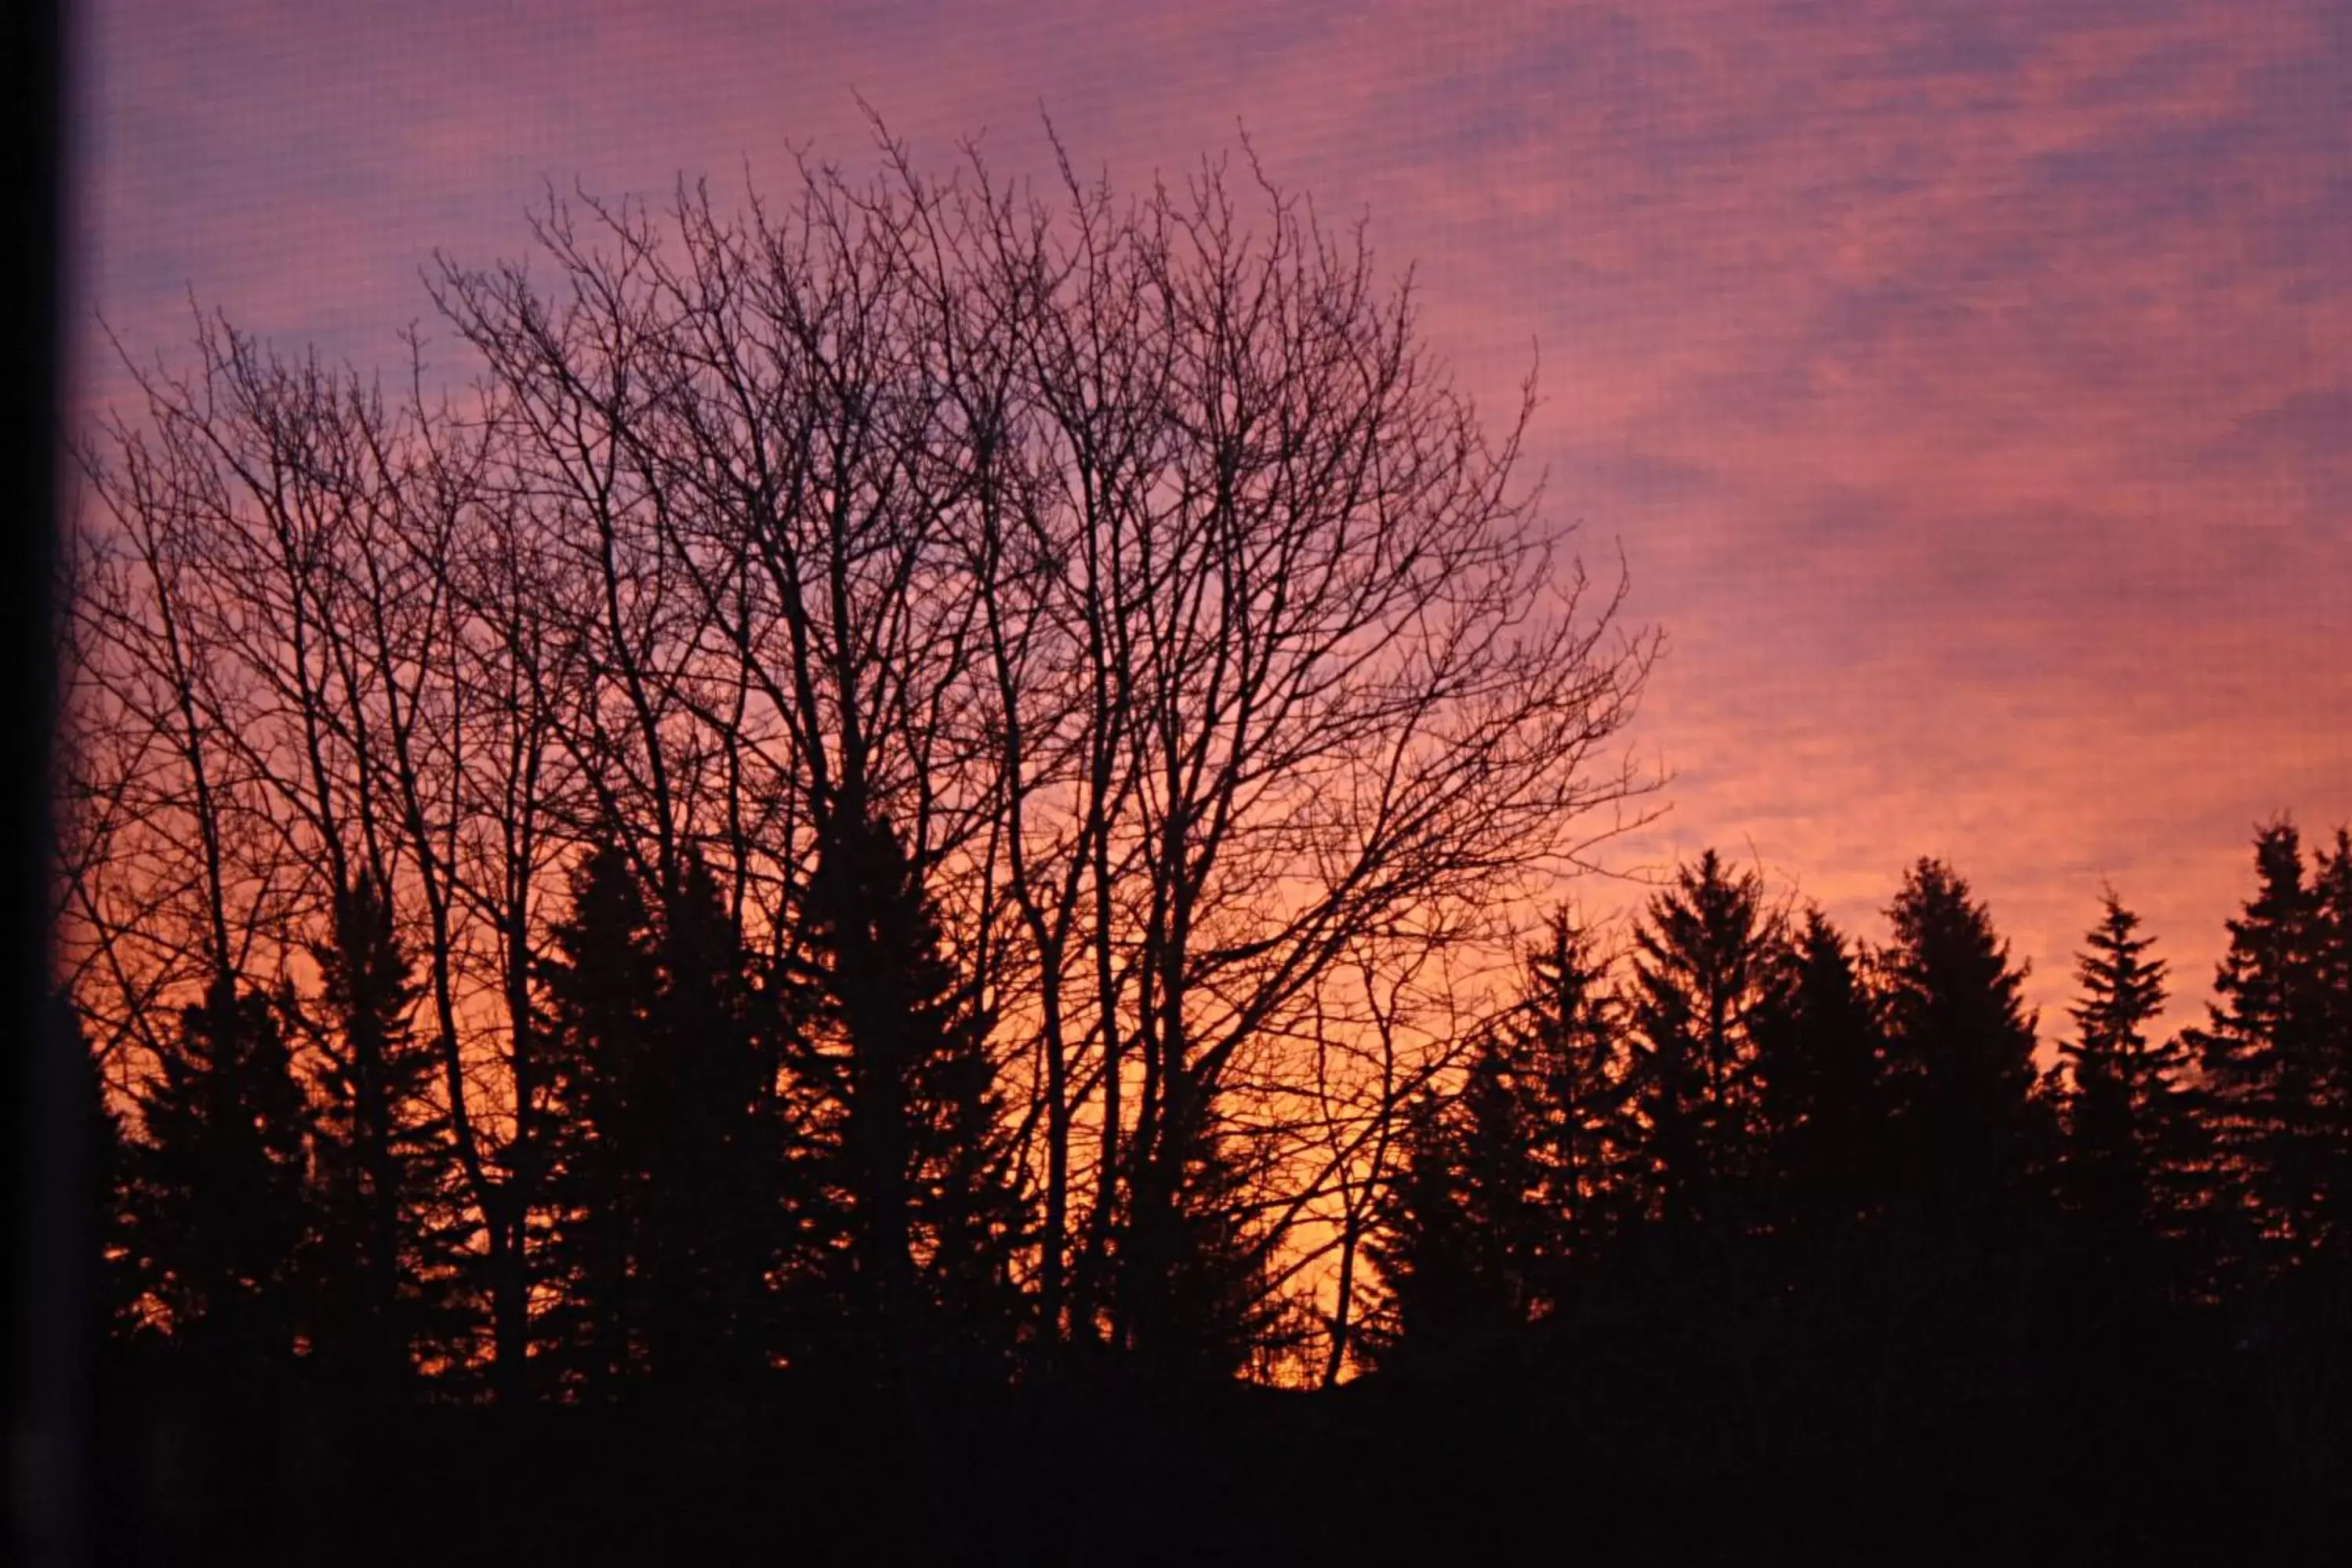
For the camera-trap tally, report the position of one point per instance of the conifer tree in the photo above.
(383, 1253)
(970, 1216)
(1427, 1248)
(601, 987)
(896, 1051)
(1513, 1186)
(712, 1146)
(216, 1200)
(2262, 1059)
(1568, 1030)
(1465, 1236)
(670, 1163)
(1199, 1305)
(2332, 980)
(111, 1280)
(1705, 963)
(1974, 1135)
(1823, 1102)
(2124, 1117)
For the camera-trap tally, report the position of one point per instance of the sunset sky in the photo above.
(1967, 387)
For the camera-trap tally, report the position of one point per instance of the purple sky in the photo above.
(1969, 386)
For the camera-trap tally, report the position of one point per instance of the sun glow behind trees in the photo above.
(1130, 558)
(1019, 738)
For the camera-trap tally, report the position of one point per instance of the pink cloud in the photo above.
(1964, 385)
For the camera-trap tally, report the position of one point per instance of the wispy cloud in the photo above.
(1967, 384)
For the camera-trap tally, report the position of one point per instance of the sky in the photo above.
(1967, 387)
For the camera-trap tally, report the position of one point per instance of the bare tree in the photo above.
(1132, 559)
(1336, 696)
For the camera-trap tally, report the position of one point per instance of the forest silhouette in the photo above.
(894, 894)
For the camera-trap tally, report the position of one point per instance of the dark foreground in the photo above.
(1750, 1452)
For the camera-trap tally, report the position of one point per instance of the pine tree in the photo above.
(1823, 1102)
(2332, 981)
(906, 1130)
(112, 1281)
(1467, 1236)
(217, 1200)
(1204, 1309)
(1567, 1029)
(1705, 963)
(1514, 1186)
(1975, 1135)
(711, 1164)
(969, 1212)
(601, 986)
(669, 1181)
(384, 1251)
(1429, 1251)
(2124, 1118)
(2262, 1059)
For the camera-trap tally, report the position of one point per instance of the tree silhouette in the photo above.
(2331, 886)
(2125, 1114)
(2325, 1308)
(712, 1165)
(602, 986)
(1467, 1237)
(1706, 965)
(112, 1275)
(1568, 1026)
(920, 1149)
(2262, 1059)
(381, 1254)
(1960, 1046)
(1969, 1228)
(1824, 1102)
(1516, 1184)
(1194, 1280)
(2125, 1184)
(217, 1207)
(669, 1184)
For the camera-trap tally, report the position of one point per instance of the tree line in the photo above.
(1748, 1101)
(1785, 1237)
(910, 775)
(929, 786)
